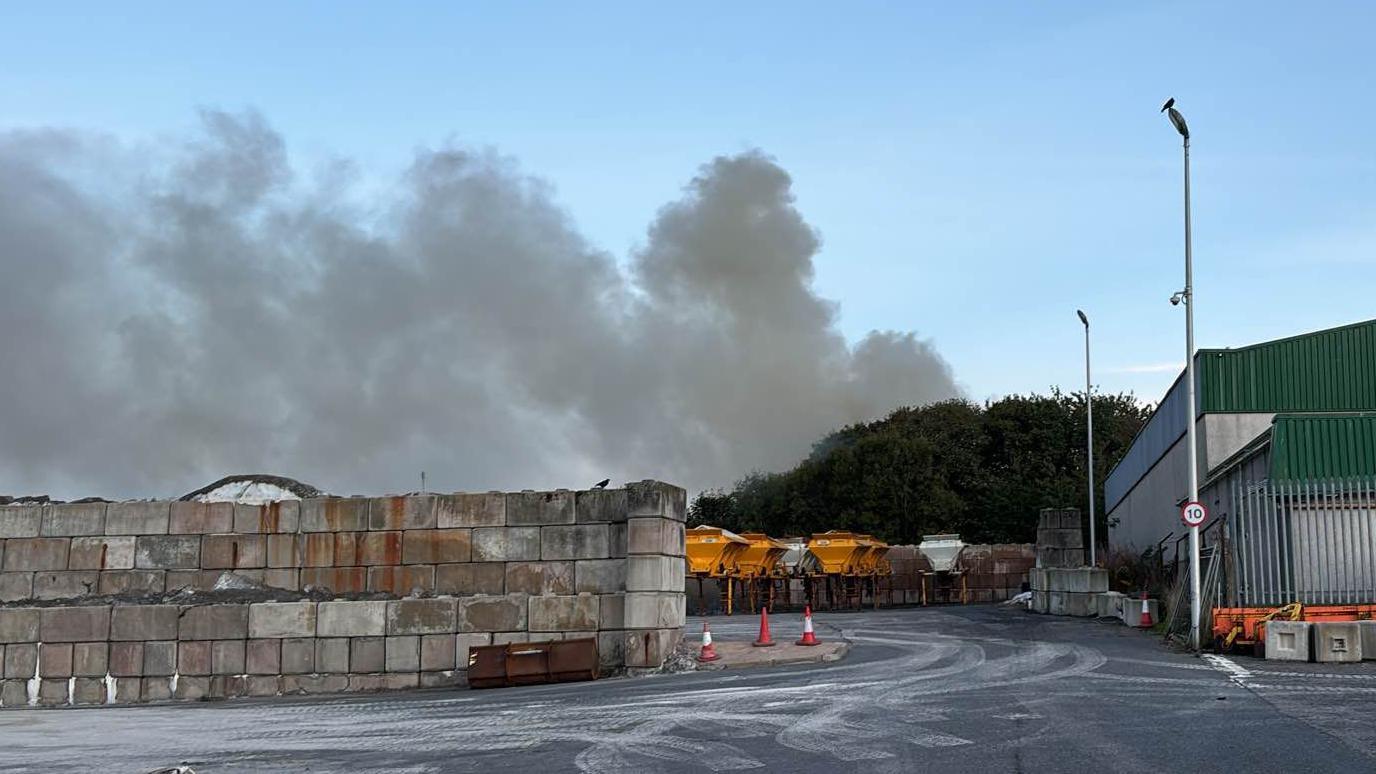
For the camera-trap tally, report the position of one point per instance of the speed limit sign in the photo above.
(1193, 514)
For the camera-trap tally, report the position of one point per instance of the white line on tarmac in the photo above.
(1236, 672)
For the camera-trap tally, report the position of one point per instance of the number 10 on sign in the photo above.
(1193, 514)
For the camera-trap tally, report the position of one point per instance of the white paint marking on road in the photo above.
(1236, 672)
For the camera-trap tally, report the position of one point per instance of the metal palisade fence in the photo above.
(1311, 541)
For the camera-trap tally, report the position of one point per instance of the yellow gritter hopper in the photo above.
(713, 552)
(838, 553)
(761, 558)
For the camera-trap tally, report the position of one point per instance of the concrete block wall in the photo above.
(1060, 538)
(1068, 590)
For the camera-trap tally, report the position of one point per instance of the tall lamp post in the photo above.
(1187, 296)
(1089, 440)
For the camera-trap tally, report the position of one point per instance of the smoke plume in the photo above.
(175, 312)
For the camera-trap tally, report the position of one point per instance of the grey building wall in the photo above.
(1226, 434)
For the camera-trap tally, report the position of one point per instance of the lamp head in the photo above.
(1083, 319)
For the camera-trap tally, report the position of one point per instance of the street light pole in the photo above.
(1187, 296)
(1089, 441)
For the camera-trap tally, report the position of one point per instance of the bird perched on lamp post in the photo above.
(1176, 119)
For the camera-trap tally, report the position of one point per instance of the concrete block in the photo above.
(228, 686)
(228, 657)
(143, 622)
(578, 541)
(282, 619)
(314, 685)
(462, 642)
(197, 580)
(340, 580)
(1085, 580)
(69, 519)
(168, 552)
(422, 616)
(1109, 604)
(20, 521)
(263, 657)
(442, 679)
(229, 552)
(282, 579)
(506, 638)
(128, 690)
(600, 506)
(14, 693)
(379, 548)
(654, 573)
(87, 691)
(279, 517)
(15, 586)
(74, 624)
(470, 510)
(1059, 538)
(318, 548)
(18, 624)
(398, 681)
(436, 546)
(656, 498)
(160, 658)
(90, 659)
(649, 648)
(65, 585)
(1060, 557)
(332, 655)
(654, 535)
(126, 659)
(55, 660)
(53, 693)
(137, 518)
(21, 660)
(334, 514)
(1337, 641)
(298, 656)
(347, 548)
(101, 553)
(563, 613)
(263, 685)
(280, 550)
(611, 649)
(506, 544)
(214, 622)
(539, 577)
(471, 578)
(133, 581)
(1041, 602)
(402, 512)
(436, 652)
(367, 654)
(526, 509)
(194, 658)
(352, 619)
(492, 614)
(1132, 611)
(1368, 629)
(191, 688)
(403, 654)
(156, 689)
(402, 579)
(654, 610)
(193, 518)
(36, 554)
(599, 576)
(1287, 640)
(611, 611)
(618, 540)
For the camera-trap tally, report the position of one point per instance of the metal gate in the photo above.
(1308, 541)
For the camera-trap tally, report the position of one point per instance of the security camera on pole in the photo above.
(1186, 297)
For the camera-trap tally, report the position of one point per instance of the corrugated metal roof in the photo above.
(1331, 370)
(1316, 446)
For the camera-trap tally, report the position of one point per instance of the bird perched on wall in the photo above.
(602, 484)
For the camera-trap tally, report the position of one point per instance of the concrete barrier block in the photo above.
(193, 658)
(539, 577)
(143, 622)
(1287, 641)
(578, 541)
(20, 521)
(1081, 580)
(379, 548)
(656, 498)
(87, 691)
(314, 685)
(563, 613)
(402, 512)
(280, 517)
(471, 578)
(340, 580)
(298, 656)
(191, 688)
(462, 643)
(90, 659)
(156, 689)
(18, 624)
(1109, 604)
(599, 576)
(1060, 557)
(441, 679)
(74, 624)
(232, 552)
(436, 546)
(317, 549)
(332, 655)
(470, 510)
(1132, 611)
(654, 610)
(282, 579)
(282, 619)
(15, 586)
(168, 552)
(506, 544)
(403, 654)
(611, 648)
(263, 685)
(506, 613)
(334, 514)
(402, 580)
(36, 554)
(649, 648)
(101, 553)
(367, 654)
(618, 540)
(67, 584)
(1060, 538)
(137, 518)
(263, 657)
(528, 509)
(279, 551)
(55, 660)
(228, 657)
(193, 518)
(14, 693)
(1337, 641)
(69, 519)
(398, 681)
(133, 581)
(654, 573)
(600, 506)
(160, 658)
(422, 616)
(214, 622)
(21, 660)
(128, 690)
(126, 659)
(436, 652)
(52, 693)
(352, 619)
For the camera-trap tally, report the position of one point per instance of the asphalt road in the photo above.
(975, 689)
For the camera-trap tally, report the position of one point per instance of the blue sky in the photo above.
(976, 171)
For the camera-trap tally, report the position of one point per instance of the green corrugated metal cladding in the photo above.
(1317, 446)
(1331, 370)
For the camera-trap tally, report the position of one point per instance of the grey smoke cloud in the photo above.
(173, 313)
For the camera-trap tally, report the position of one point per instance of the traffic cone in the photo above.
(1146, 613)
(809, 638)
(763, 641)
(708, 653)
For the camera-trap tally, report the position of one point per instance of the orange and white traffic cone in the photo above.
(1145, 622)
(708, 653)
(764, 640)
(809, 637)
